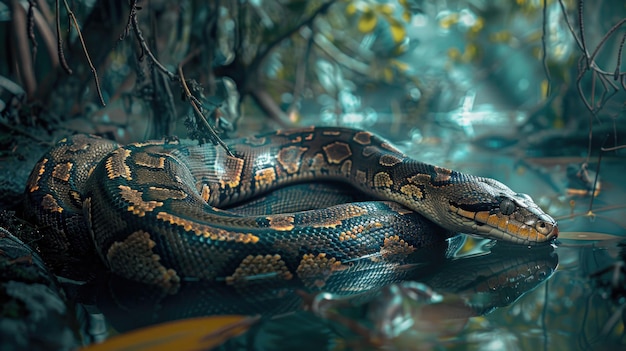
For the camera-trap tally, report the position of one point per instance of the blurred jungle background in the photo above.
(531, 92)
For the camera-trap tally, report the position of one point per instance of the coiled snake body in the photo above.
(153, 211)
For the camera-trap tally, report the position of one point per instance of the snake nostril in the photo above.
(548, 229)
(543, 228)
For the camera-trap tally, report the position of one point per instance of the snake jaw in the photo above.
(512, 218)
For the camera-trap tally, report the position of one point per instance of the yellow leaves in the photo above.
(447, 21)
(398, 31)
(368, 21)
(383, 30)
(544, 88)
(388, 70)
(470, 53)
(406, 16)
(351, 9)
(202, 333)
(399, 65)
(371, 16)
(477, 26)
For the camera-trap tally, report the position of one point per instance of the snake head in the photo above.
(498, 212)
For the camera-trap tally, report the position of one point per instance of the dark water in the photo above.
(444, 292)
(480, 296)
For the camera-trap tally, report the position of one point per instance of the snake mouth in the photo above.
(535, 230)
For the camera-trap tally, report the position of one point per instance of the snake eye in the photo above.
(507, 207)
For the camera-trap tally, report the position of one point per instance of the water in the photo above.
(481, 296)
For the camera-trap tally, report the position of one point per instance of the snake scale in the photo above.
(154, 212)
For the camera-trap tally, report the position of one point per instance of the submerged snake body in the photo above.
(155, 209)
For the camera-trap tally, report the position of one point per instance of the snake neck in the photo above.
(456, 201)
(264, 163)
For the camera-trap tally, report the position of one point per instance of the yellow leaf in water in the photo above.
(469, 246)
(202, 333)
(368, 21)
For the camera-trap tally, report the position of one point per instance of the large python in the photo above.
(154, 211)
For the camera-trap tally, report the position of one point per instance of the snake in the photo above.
(162, 211)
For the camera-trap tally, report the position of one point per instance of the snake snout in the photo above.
(547, 228)
(522, 223)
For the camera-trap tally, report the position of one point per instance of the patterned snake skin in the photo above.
(154, 211)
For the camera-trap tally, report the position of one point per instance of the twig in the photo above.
(144, 44)
(60, 52)
(596, 211)
(595, 181)
(613, 148)
(129, 22)
(587, 61)
(579, 78)
(619, 58)
(605, 38)
(72, 18)
(192, 100)
(571, 28)
(605, 81)
(581, 29)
